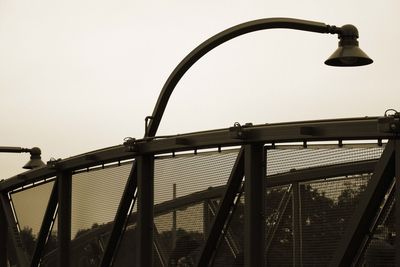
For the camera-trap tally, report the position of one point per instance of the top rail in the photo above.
(367, 128)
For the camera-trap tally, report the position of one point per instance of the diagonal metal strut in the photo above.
(233, 187)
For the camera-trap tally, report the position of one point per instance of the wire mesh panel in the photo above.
(183, 230)
(181, 234)
(287, 159)
(326, 207)
(279, 226)
(30, 206)
(95, 198)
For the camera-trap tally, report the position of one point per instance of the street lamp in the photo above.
(35, 160)
(347, 55)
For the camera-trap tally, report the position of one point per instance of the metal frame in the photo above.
(275, 180)
(309, 131)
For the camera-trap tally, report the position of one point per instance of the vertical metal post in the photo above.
(254, 171)
(145, 212)
(64, 180)
(3, 238)
(297, 223)
(397, 197)
(174, 217)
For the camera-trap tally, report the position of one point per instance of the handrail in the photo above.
(323, 130)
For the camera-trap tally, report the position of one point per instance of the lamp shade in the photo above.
(36, 159)
(34, 163)
(348, 56)
(348, 53)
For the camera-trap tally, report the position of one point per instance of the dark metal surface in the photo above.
(145, 213)
(232, 189)
(254, 223)
(64, 182)
(363, 216)
(45, 227)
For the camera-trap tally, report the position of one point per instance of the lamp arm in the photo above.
(220, 38)
(13, 149)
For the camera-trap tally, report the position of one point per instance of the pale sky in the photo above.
(77, 76)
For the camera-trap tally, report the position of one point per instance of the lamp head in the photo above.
(348, 53)
(36, 160)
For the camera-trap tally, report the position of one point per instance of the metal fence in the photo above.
(318, 193)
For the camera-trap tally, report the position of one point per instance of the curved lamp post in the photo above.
(34, 162)
(347, 55)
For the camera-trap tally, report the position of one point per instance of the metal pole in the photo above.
(220, 38)
(145, 212)
(254, 241)
(64, 218)
(13, 149)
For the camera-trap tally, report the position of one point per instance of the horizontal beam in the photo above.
(315, 173)
(328, 130)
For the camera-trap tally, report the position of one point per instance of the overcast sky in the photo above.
(80, 75)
